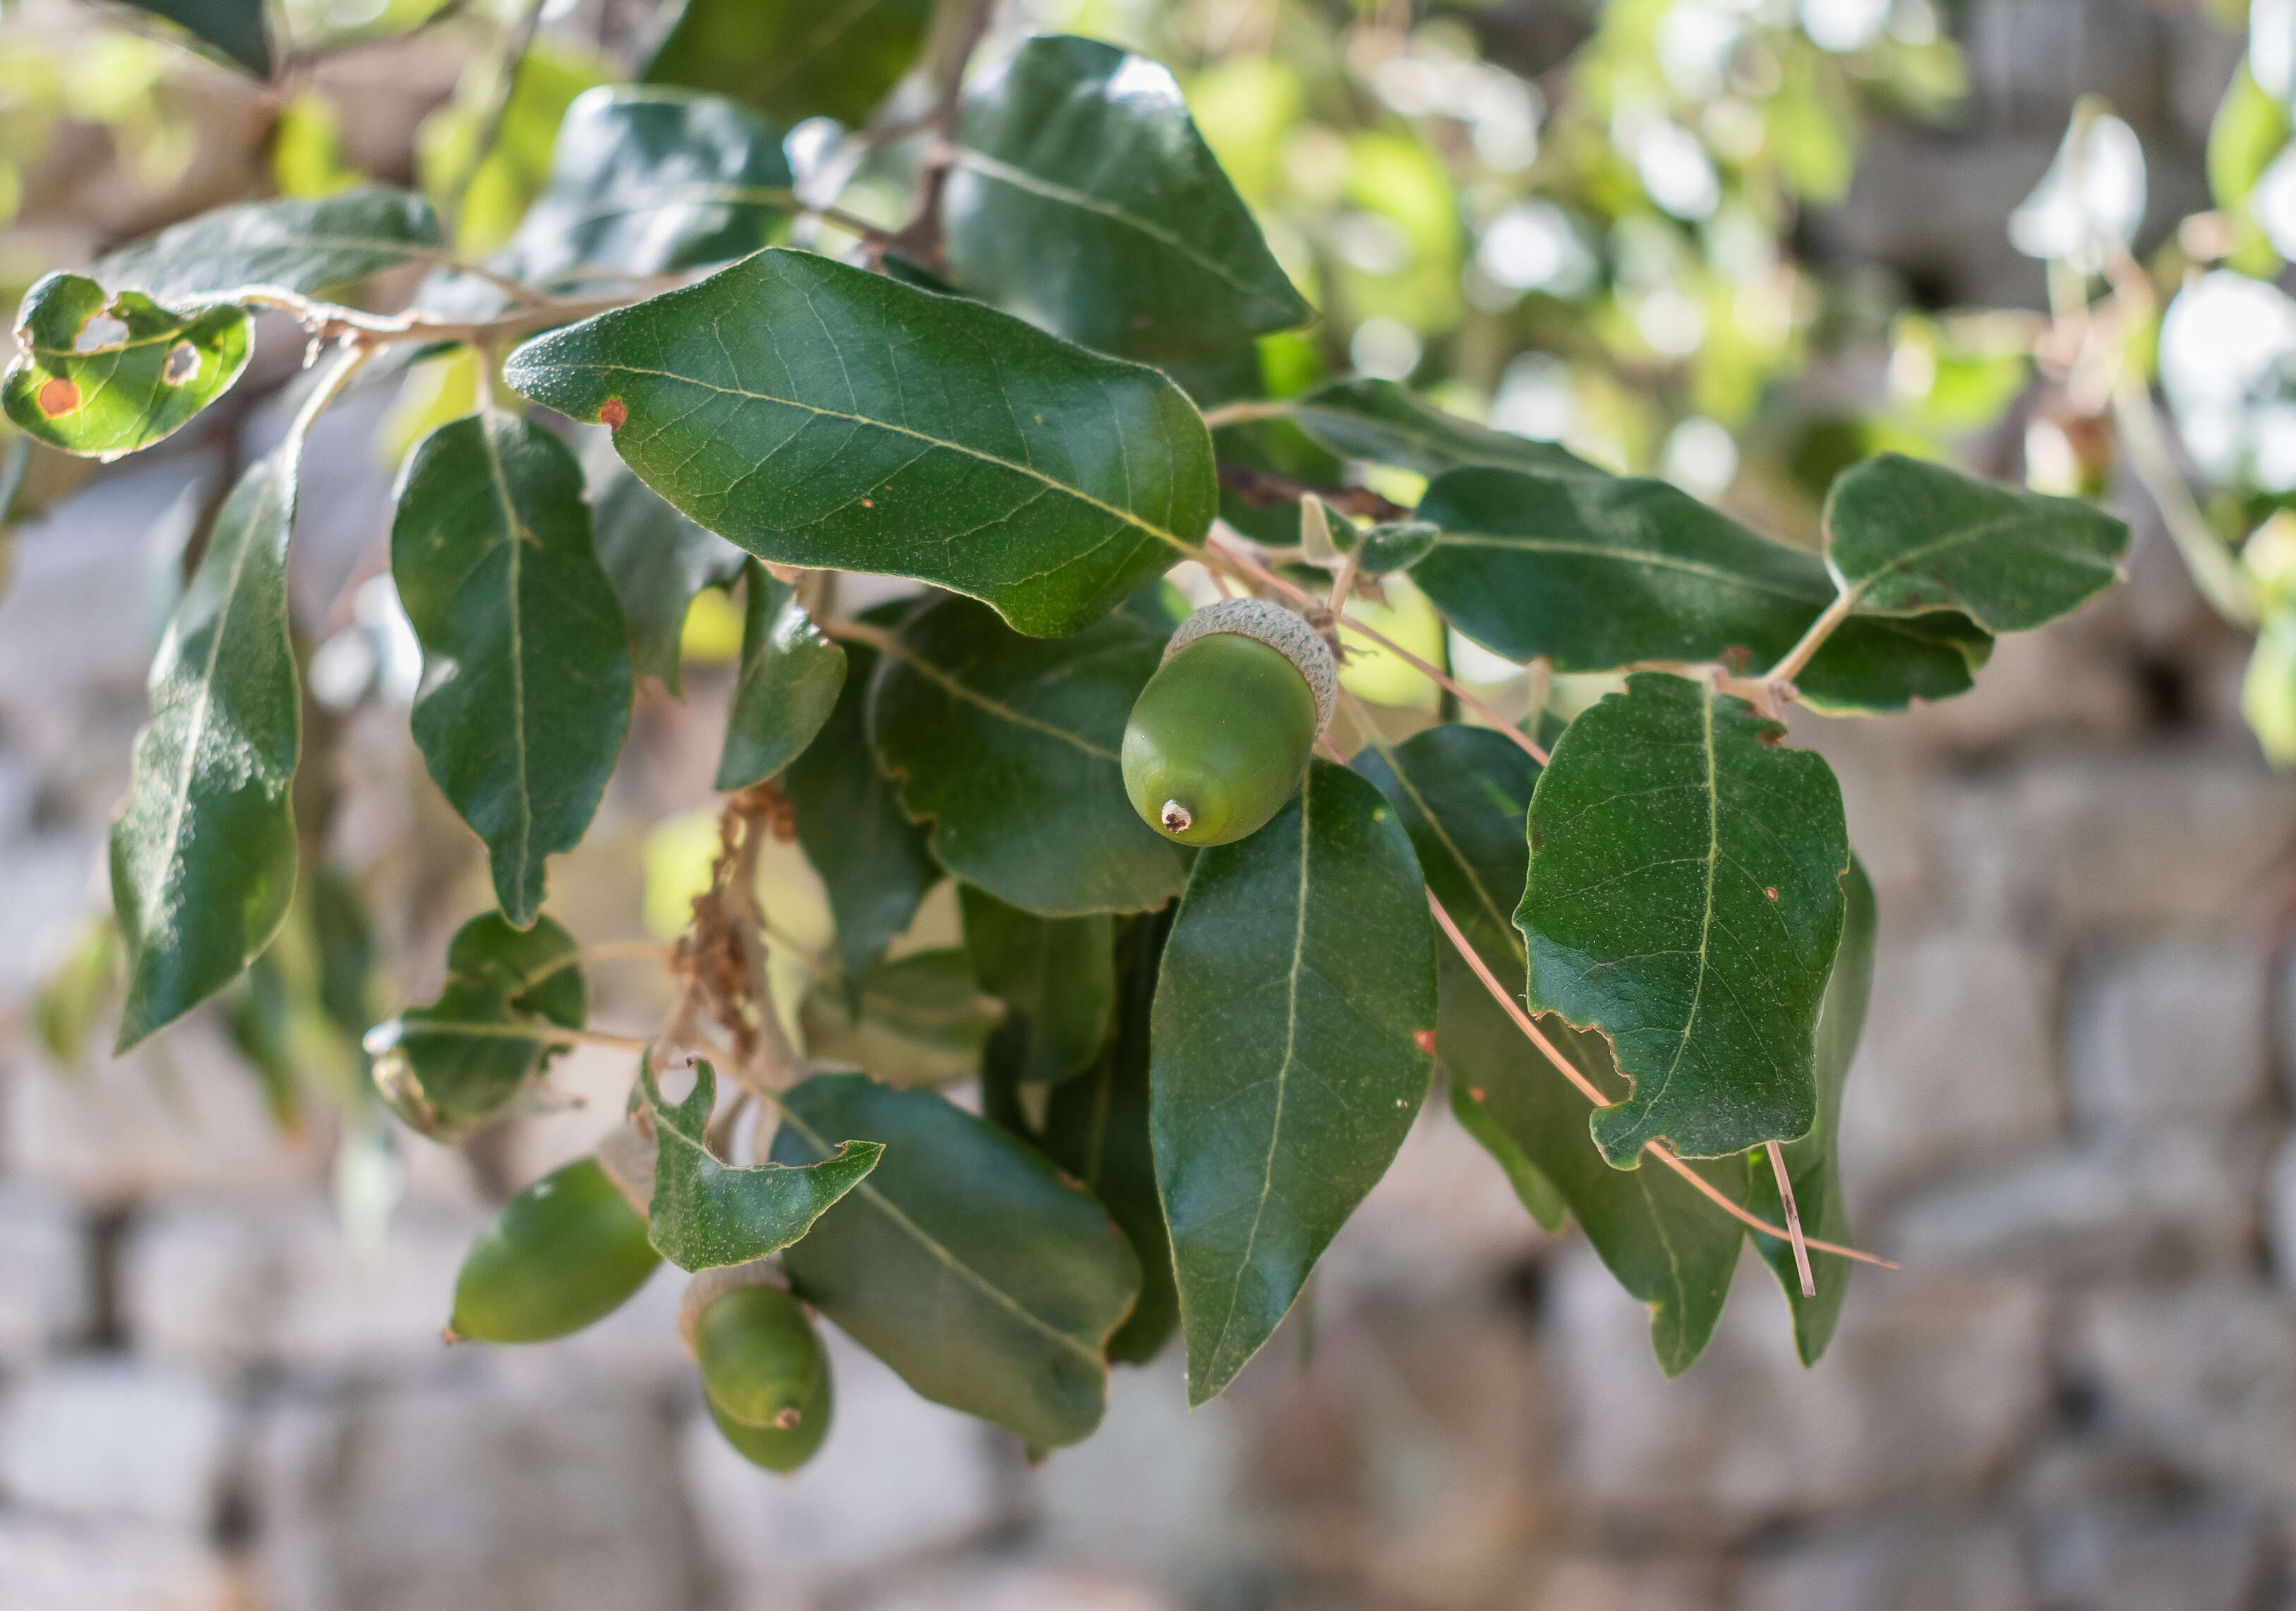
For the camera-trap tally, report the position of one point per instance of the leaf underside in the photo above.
(307, 246)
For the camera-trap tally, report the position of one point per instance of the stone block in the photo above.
(2204, 1377)
(44, 1271)
(2203, 1557)
(50, 1564)
(1954, 1072)
(2175, 1204)
(899, 1478)
(434, 1497)
(1929, 1385)
(111, 1438)
(223, 1285)
(1911, 1562)
(2170, 1032)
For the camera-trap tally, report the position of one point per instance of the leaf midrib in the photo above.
(515, 534)
(947, 681)
(1706, 915)
(2072, 555)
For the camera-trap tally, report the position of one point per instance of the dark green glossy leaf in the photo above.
(1814, 1163)
(1463, 794)
(707, 1214)
(643, 180)
(1096, 1128)
(872, 858)
(821, 415)
(790, 680)
(1284, 1073)
(1907, 536)
(922, 1021)
(311, 247)
(1599, 572)
(526, 675)
(203, 851)
(233, 28)
(1009, 744)
(453, 1064)
(1380, 421)
(965, 1262)
(1085, 200)
(1686, 898)
(793, 58)
(1057, 975)
(657, 560)
(104, 374)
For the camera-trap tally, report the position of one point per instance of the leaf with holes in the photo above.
(1463, 794)
(311, 247)
(234, 28)
(1009, 744)
(451, 1066)
(872, 858)
(1096, 1128)
(1598, 572)
(1085, 200)
(1285, 1073)
(526, 672)
(790, 680)
(203, 851)
(105, 374)
(793, 58)
(657, 560)
(1380, 421)
(965, 1262)
(708, 1213)
(1057, 975)
(1905, 536)
(1686, 899)
(1814, 1163)
(822, 415)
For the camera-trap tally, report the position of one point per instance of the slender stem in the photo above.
(1500, 995)
(1793, 1218)
(1243, 413)
(2211, 563)
(514, 43)
(1787, 670)
(330, 387)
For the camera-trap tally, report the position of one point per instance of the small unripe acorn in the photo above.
(765, 1375)
(568, 1250)
(1217, 740)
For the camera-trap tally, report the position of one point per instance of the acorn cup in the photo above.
(565, 1252)
(1217, 740)
(763, 1370)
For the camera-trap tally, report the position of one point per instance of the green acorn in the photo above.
(568, 1250)
(1217, 740)
(765, 1375)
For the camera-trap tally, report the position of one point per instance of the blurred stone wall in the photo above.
(2069, 1121)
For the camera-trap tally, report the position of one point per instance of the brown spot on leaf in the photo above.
(1424, 1039)
(868, 503)
(1475, 1093)
(58, 395)
(1770, 890)
(613, 413)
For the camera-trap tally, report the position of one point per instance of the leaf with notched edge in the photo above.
(1285, 1072)
(965, 1262)
(1009, 744)
(526, 670)
(121, 385)
(450, 1065)
(1085, 200)
(1686, 899)
(203, 850)
(822, 415)
(1462, 793)
(707, 1214)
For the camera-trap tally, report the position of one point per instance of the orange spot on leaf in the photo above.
(613, 414)
(1475, 1093)
(1770, 890)
(1424, 1039)
(868, 503)
(58, 396)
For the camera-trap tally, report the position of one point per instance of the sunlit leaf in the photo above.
(822, 415)
(965, 1262)
(106, 374)
(707, 1214)
(309, 246)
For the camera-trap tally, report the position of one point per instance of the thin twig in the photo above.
(1264, 489)
(1244, 414)
(515, 41)
(920, 239)
(1793, 1218)
(1500, 995)
(2213, 569)
(1787, 670)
